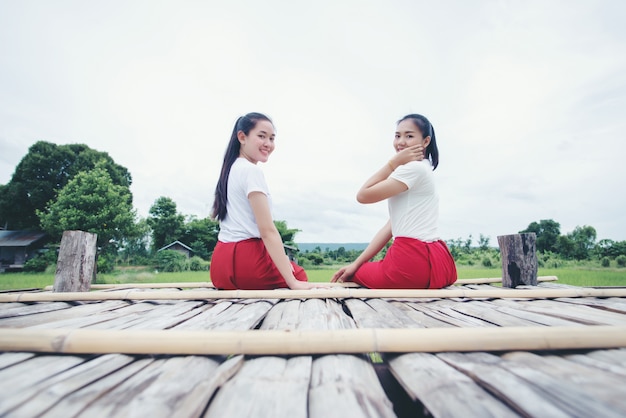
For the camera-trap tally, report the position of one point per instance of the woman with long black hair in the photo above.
(249, 253)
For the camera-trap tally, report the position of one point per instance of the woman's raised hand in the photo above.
(412, 153)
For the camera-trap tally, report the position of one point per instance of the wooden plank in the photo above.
(421, 319)
(21, 376)
(525, 399)
(167, 387)
(307, 315)
(228, 316)
(158, 316)
(613, 361)
(9, 359)
(387, 313)
(77, 402)
(449, 315)
(444, 391)
(273, 387)
(376, 313)
(38, 398)
(346, 386)
(581, 314)
(515, 308)
(24, 309)
(571, 396)
(484, 311)
(617, 305)
(86, 321)
(72, 312)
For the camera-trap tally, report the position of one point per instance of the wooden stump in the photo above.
(76, 264)
(519, 259)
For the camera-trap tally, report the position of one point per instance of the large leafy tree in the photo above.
(91, 202)
(547, 232)
(200, 235)
(166, 223)
(43, 172)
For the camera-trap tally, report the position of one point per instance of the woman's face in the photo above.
(259, 143)
(407, 135)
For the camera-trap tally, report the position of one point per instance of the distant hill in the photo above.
(310, 246)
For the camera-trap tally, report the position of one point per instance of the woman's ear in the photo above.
(426, 141)
(241, 136)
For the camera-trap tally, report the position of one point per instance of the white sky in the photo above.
(528, 100)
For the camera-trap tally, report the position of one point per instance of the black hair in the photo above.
(426, 128)
(245, 124)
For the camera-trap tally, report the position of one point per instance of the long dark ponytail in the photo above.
(427, 129)
(245, 124)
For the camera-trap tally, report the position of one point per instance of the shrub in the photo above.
(104, 264)
(621, 260)
(605, 262)
(198, 264)
(486, 262)
(171, 261)
(37, 264)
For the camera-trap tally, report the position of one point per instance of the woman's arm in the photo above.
(379, 241)
(272, 241)
(380, 187)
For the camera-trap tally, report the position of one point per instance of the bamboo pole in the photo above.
(258, 342)
(193, 285)
(339, 292)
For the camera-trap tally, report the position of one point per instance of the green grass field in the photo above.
(572, 276)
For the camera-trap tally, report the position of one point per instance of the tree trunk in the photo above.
(76, 264)
(519, 259)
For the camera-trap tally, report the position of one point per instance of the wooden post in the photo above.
(76, 264)
(519, 259)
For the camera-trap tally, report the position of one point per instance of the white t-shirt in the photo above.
(239, 223)
(414, 213)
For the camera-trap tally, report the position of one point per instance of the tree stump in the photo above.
(519, 259)
(76, 264)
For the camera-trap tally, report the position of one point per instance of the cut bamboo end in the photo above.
(258, 342)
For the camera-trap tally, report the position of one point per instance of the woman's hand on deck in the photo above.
(344, 274)
(298, 285)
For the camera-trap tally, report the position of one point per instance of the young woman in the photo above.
(417, 258)
(249, 253)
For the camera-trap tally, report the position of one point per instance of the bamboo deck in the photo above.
(473, 350)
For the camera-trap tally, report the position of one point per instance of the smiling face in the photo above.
(258, 144)
(407, 135)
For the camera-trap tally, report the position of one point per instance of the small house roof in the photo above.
(174, 243)
(19, 238)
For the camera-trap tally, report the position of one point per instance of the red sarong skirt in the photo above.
(410, 264)
(247, 265)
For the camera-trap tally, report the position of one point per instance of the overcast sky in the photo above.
(528, 100)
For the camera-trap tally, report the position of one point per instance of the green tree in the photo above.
(91, 202)
(200, 235)
(134, 247)
(547, 232)
(166, 223)
(483, 242)
(584, 238)
(287, 234)
(42, 173)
